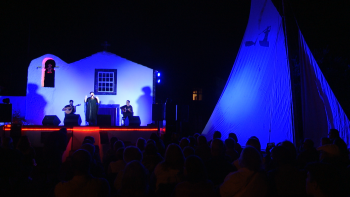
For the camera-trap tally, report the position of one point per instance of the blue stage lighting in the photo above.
(158, 81)
(158, 74)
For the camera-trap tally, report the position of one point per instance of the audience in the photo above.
(191, 166)
(141, 144)
(203, 149)
(83, 183)
(184, 142)
(324, 180)
(134, 180)
(169, 172)
(196, 182)
(188, 151)
(249, 180)
(308, 154)
(230, 149)
(238, 147)
(219, 164)
(131, 153)
(151, 158)
(285, 179)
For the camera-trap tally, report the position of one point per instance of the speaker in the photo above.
(5, 112)
(104, 120)
(157, 112)
(133, 121)
(52, 120)
(72, 120)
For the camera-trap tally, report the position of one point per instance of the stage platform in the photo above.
(76, 135)
(102, 134)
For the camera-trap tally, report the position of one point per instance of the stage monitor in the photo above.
(133, 121)
(72, 120)
(51, 120)
(5, 112)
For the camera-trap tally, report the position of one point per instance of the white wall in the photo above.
(75, 80)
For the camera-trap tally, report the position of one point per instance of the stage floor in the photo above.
(102, 134)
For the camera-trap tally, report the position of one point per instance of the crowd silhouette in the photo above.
(187, 167)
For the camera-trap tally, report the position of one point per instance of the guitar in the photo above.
(68, 109)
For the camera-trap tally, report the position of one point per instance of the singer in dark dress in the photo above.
(91, 108)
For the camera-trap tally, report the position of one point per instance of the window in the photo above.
(105, 82)
(197, 94)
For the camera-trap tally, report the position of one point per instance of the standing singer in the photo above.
(91, 108)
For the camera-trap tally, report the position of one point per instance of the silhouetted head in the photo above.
(151, 149)
(112, 141)
(127, 102)
(120, 154)
(154, 137)
(329, 152)
(202, 140)
(150, 141)
(188, 151)
(250, 158)
(134, 180)
(281, 155)
(81, 160)
(23, 143)
(118, 144)
(141, 143)
(174, 158)
(184, 142)
(333, 134)
(192, 141)
(217, 147)
(89, 147)
(87, 141)
(254, 142)
(71, 102)
(291, 147)
(92, 139)
(196, 135)
(217, 134)
(132, 153)
(326, 140)
(230, 143)
(308, 144)
(233, 136)
(194, 169)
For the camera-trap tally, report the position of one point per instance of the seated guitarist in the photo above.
(70, 109)
(127, 109)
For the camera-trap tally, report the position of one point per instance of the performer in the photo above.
(91, 108)
(127, 109)
(70, 109)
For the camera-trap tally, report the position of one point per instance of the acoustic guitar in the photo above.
(68, 109)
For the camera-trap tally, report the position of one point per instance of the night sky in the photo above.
(188, 41)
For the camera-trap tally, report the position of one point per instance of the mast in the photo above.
(294, 67)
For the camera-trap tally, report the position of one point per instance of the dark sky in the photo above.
(191, 39)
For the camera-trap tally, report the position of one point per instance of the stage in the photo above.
(37, 134)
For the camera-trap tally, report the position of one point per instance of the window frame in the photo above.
(96, 91)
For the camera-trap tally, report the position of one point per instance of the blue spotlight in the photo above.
(158, 81)
(158, 74)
